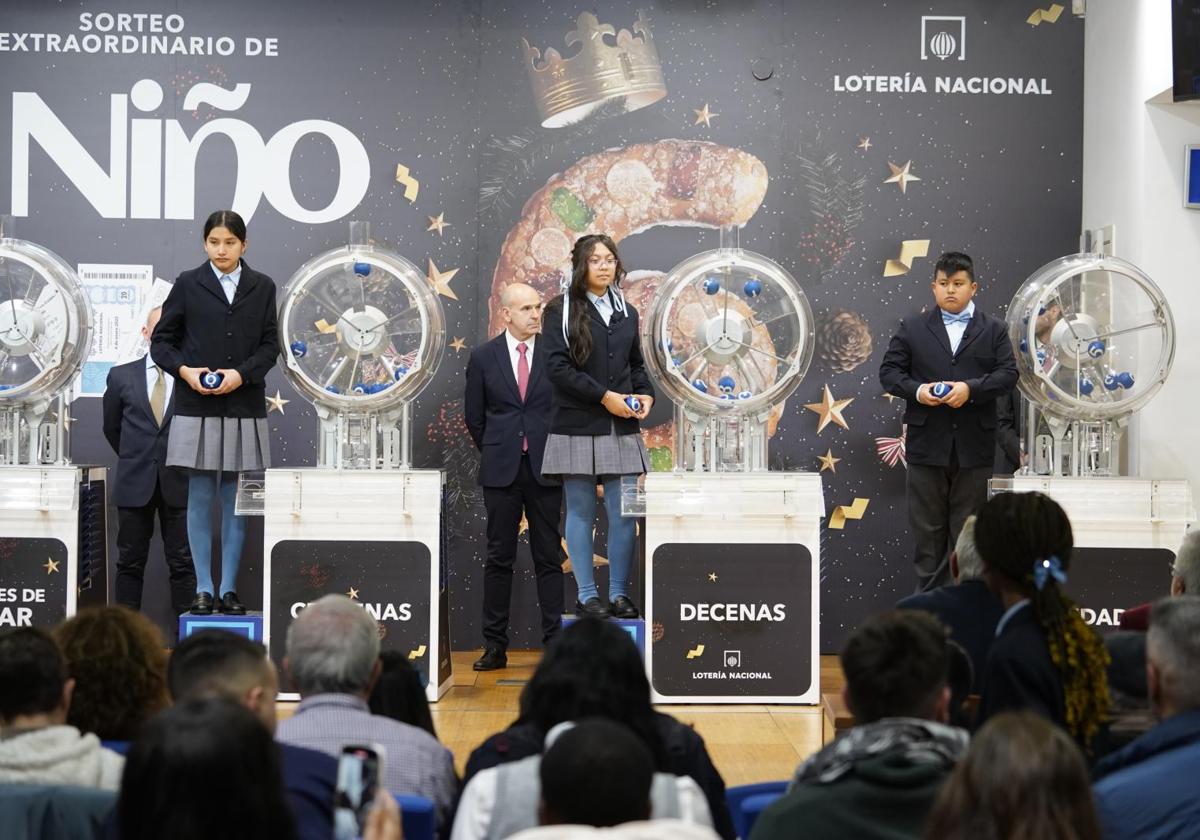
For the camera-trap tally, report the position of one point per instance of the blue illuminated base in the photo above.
(635, 627)
(249, 625)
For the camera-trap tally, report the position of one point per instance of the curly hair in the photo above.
(1014, 532)
(119, 663)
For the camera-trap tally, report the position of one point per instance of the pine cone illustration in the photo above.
(843, 340)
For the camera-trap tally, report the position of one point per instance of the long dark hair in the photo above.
(203, 754)
(1021, 778)
(579, 331)
(1013, 533)
(227, 219)
(398, 693)
(593, 669)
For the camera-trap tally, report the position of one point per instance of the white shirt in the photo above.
(603, 304)
(229, 282)
(514, 355)
(1008, 614)
(955, 330)
(152, 378)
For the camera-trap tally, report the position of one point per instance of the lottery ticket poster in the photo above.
(119, 295)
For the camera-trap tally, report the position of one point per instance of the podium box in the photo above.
(732, 585)
(376, 536)
(249, 625)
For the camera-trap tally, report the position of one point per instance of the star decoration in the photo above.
(441, 280)
(276, 403)
(829, 410)
(864, 143)
(352, 594)
(712, 576)
(827, 461)
(703, 115)
(437, 223)
(51, 566)
(459, 344)
(901, 175)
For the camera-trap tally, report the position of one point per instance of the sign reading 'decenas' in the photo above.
(151, 168)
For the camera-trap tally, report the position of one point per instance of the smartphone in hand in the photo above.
(359, 777)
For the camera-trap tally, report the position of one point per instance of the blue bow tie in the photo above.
(961, 318)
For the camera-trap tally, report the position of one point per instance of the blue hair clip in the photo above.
(1043, 570)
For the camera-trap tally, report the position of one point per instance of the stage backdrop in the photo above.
(887, 134)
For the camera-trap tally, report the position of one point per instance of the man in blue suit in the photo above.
(507, 408)
(950, 365)
(138, 405)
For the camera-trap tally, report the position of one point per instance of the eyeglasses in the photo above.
(605, 261)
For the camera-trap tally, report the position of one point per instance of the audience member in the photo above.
(217, 663)
(878, 780)
(36, 743)
(1022, 778)
(1044, 658)
(333, 661)
(1185, 580)
(1147, 789)
(646, 830)
(593, 669)
(597, 773)
(398, 692)
(967, 607)
(205, 767)
(118, 659)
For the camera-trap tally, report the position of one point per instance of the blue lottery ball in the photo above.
(1041, 310)
(400, 372)
(745, 395)
(753, 287)
(1125, 379)
(299, 348)
(1096, 348)
(1024, 346)
(940, 389)
(726, 384)
(1110, 382)
(728, 397)
(1086, 386)
(1041, 356)
(711, 285)
(359, 388)
(212, 379)
(700, 385)
(362, 269)
(333, 389)
(634, 403)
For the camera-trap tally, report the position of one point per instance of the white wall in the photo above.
(1133, 153)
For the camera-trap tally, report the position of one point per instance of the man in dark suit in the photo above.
(507, 408)
(139, 401)
(951, 439)
(1009, 457)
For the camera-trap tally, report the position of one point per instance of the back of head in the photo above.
(970, 566)
(896, 665)
(1187, 563)
(118, 660)
(1022, 777)
(332, 647)
(199, 755)
(215, 662)
(32, 673)
(398, 693)
(597, 773)
(593, 669)
(1173, 649)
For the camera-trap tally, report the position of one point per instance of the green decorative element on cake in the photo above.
(570, 210)
(660, 459)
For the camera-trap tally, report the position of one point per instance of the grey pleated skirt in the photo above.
(610, 454)
(224, 444)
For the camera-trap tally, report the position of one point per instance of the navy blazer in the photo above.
(1020, 675)
(970, 611)
(199, 327)
(497, 418)
(919, 353)
(310, 778)
(140, 443)
(614, 365)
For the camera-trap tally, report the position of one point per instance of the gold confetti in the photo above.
(1045, 15)
(842, 513)
(910, 250)
(411, 185)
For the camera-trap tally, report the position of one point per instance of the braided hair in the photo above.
(1016, 532)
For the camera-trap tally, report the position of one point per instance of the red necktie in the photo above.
(523, 382)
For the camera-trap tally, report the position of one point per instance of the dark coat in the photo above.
(919, 353)
(614, 365)
(970, 610)
(1008, 433)
(497, 418)
(1020, 675)
(200, 328)
(140, 443)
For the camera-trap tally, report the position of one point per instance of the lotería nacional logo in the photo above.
(943, 37)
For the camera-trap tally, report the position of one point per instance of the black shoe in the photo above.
(230, 605)
(493, 659)
(593, 608)
(622, 607)
(202, 604)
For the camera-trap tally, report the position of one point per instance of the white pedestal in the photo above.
(373, 535)
(733, 587)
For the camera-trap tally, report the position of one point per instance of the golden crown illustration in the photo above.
(568, 89)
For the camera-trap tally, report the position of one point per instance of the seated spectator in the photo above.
(1185, 580)
(118, 660)
(37, 746)
(597, 772)
(1022, 778)
(1148, 788)
(593, 669)
(1045, 658)
(647, 830)
(204, 768)
(217, 663)
(880, 778)
(333, 661)
(967, 607)
(398, 692)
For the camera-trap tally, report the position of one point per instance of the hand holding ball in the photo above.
(212, 379)
(635, 405)
(940, 389)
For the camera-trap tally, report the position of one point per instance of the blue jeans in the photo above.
(580, 493)
(202, 487)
